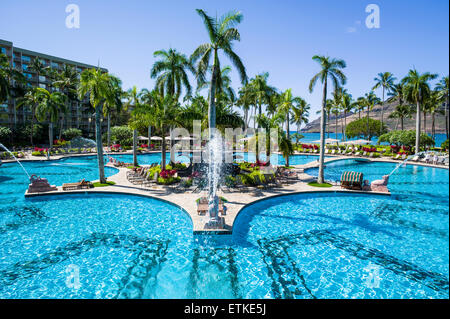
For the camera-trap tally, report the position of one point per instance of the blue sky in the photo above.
(276, 36)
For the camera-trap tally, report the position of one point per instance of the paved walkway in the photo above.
(235, 200)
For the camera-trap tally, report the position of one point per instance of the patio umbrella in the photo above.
(142, 138)
(357, 142)
(328, 141)
(156, 138)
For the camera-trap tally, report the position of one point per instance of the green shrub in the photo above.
(37, 153)
(168, 181)
(122, 135)
(71, 133)
(444, 145)
(5, 134)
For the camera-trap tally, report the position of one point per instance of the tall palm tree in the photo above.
(222, 33)
(300, 114)
(287, 104)
(113, 105)
(370, 101)
(146, 98)
(443, 89)
(417, 90)
(245, 101)
(133, 102)
(336, 110)
(49, 108)
(401, 112)
(39, 68)
(165, 113)
(386, 82)
(330, 69)
(360, 105)
(171, 72)
(347, 106)
(67, 82)
(98, 86)
(30, 99)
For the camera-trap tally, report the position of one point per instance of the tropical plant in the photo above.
(49, 107)
(31, 99)
(222, 33)
(98, 86)
(442, 88)
(71, 133)
(405, 138)
(365, 128)
(386, 82)
(401, 112)
(171, 72)
(67, 82)
(330, 69)
(133, 102)
(417, 90)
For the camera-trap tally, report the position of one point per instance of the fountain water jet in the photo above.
(11, 153)
(215, 157)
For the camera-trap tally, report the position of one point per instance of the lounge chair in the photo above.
(396, 157)
(83, 184)
(240, 184)
(415, 158)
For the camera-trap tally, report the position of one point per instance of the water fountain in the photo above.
(11, 153)
(215, 152)
(37, 184)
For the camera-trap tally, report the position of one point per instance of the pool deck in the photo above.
(236, 201)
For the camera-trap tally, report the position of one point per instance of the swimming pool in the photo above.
(294, 246)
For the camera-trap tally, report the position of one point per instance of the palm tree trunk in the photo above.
(433, 128)
(382, 113)
(320, 178)
(50, 135)
(108, 143)
(163, 149)
(32, 125)
(418, 128)
(328, 124)
(61, 126)
(98, 137)
(446, 117)
(425, 122)
(401, 122)
(368, 125)
(135, 162)
(336, 126)
(345, 126)
(149, 135)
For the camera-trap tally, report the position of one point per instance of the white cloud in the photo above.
(351, 30)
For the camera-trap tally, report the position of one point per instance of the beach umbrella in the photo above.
(357, 142)
(142, 138)
(156, 138)
(328, 141)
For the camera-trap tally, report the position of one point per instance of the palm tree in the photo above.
(170, 72)
(433, 107)
(38, 67)
(133, 102)
(99, 87)
(370, 100)
(330, 68)
(67, 82)
(360, 106)
(287, 104)
(222, 33)
(31, 99)
(300, 115)
(244, 101)
(386, 82)
(165, 113)
(442, 87)
(401, 112)
(417, 90)
(347, 106)
(336, 110)
(285, 146)
(146, 98)
(113, 105)
(49, 107)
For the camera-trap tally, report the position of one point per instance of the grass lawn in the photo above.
(108, 183)
(315, 184)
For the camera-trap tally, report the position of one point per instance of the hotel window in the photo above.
(41, 78)
(25, 67)
(26, 59)
(3, 50)
(55, 65)
(28, 75)
(42, 86)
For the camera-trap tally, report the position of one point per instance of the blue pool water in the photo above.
(296, 246)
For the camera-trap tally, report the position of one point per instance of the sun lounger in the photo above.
(83, 184)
